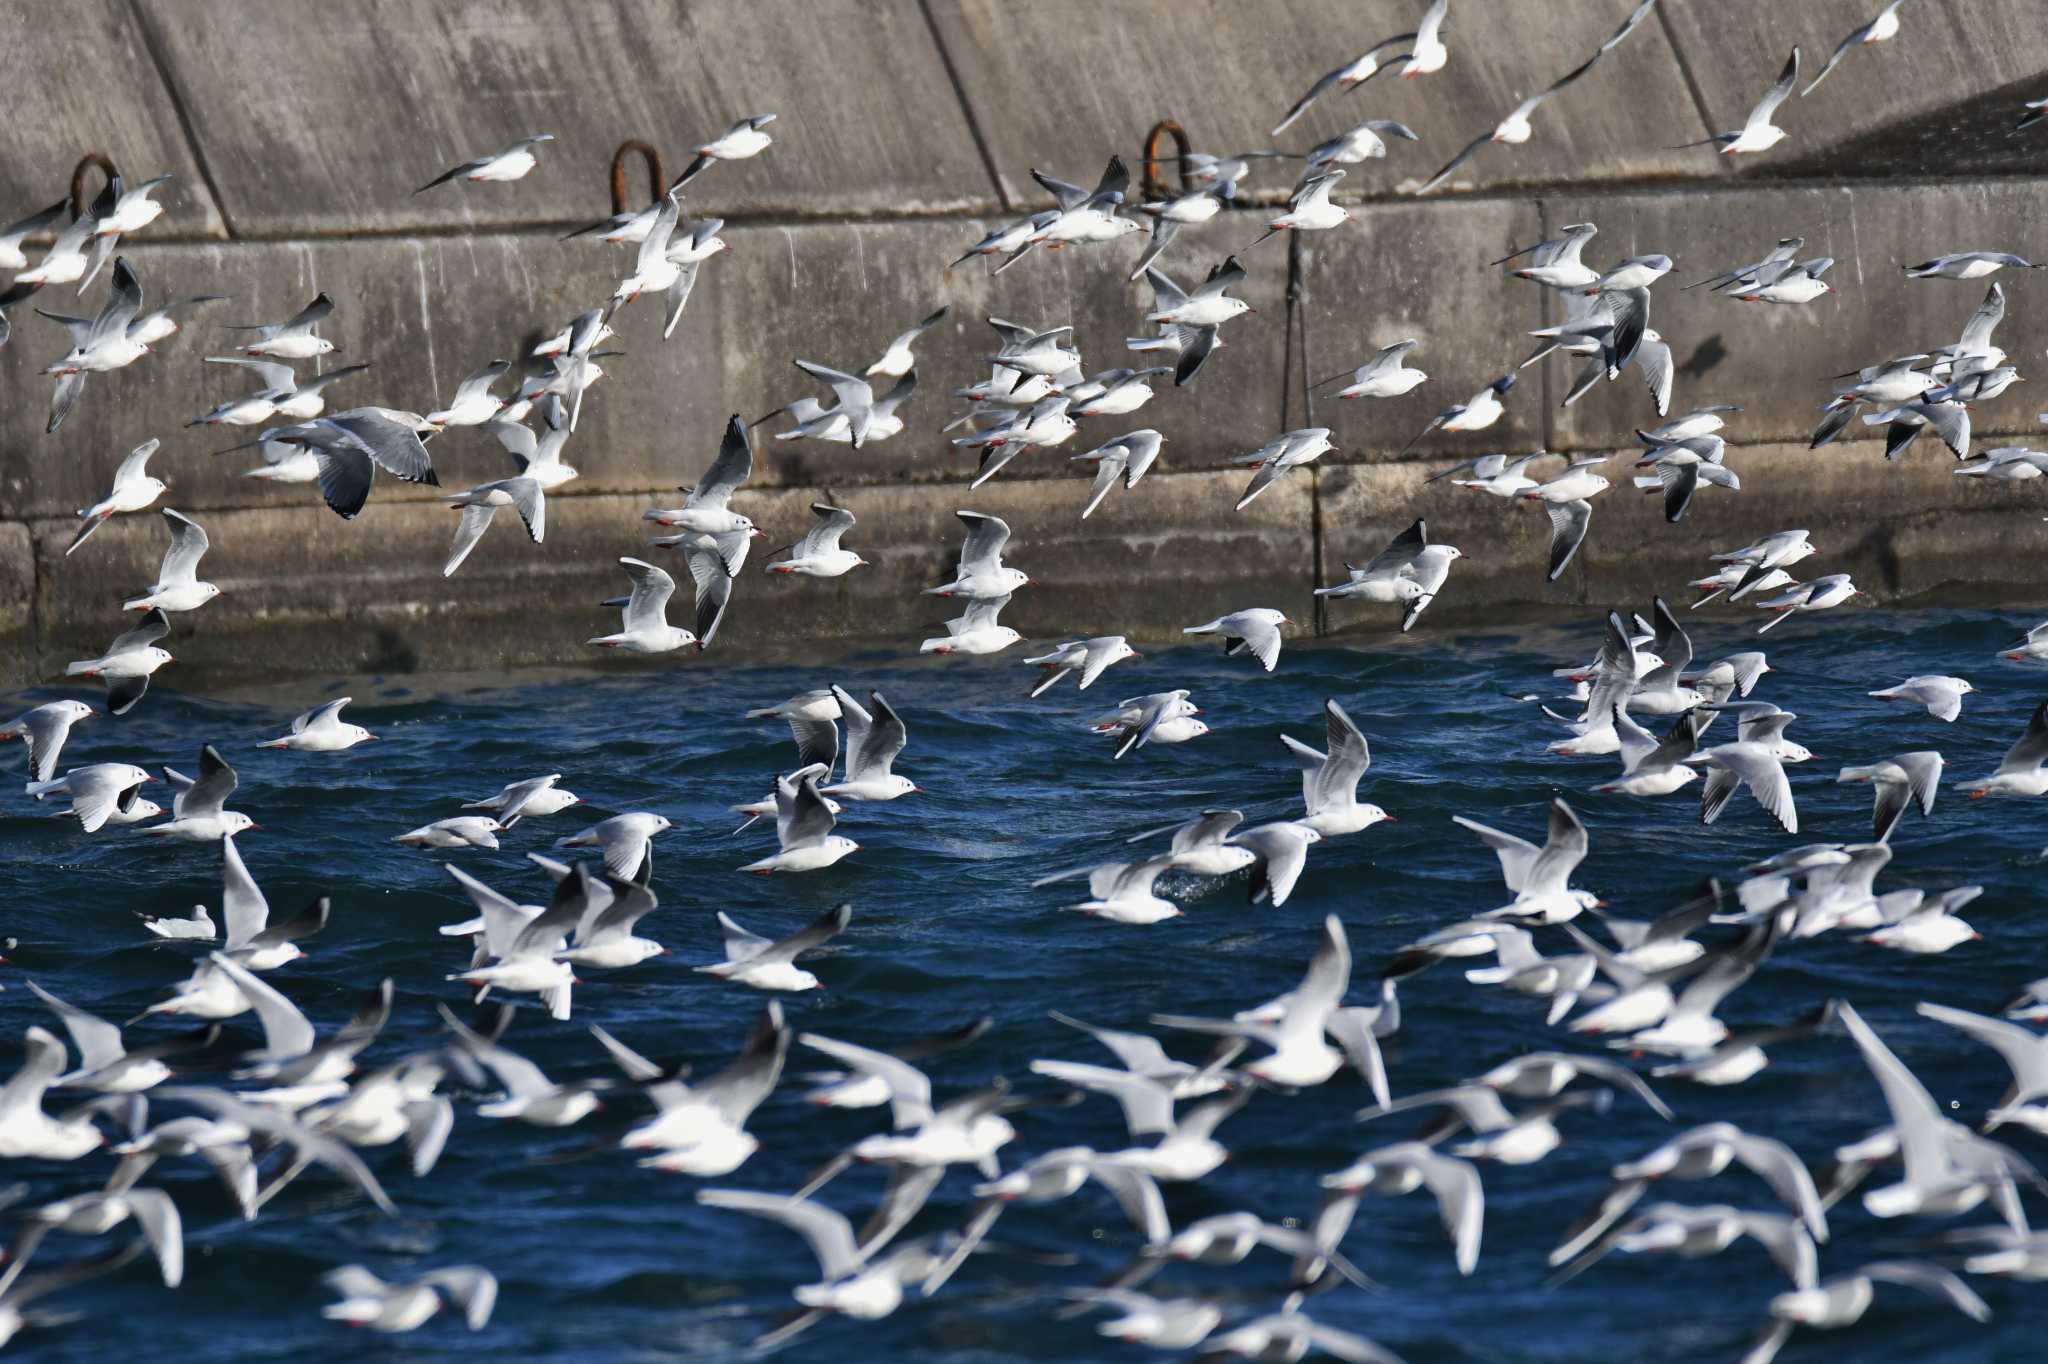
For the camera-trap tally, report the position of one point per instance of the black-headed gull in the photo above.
(135, 489)
(859, 1280)
(1497, 1134)
(1829, 590)
(1947, 1168)
(1287, 451)
(294, 338)
(522, 954)
(1255, 631)
(1383, 376)
(1409, 571)
(1540, 878)
(1113, 392)
(321, 730)
(2025, 1053)
(1166, 717)
(530, 1097)
(1352, 74)
(1942, 697)
(1122, 892)
(1741, 1054)
(15, 233)
(2021, 771)
(1883, 27)
(1085, 216)
(199, 812)
(44, 729)
(1202, 845)
(392, 1308)
(1197, 205)
(981, 573)
(26, 1131)
(1127, 458)
(707, 509)
(644, 627)
(604, 936)
(1693, 1231)
(479, 504)
(1758, 133)
(1209, 304)
(1282, 851)
(461, 831)
(1089, 657)
(623, 840)
(1650, 766)
(803, 828)
(1968, 265)
(969, 1129)
(1567, 497)
(1187, 1148)
(1555, 263)
(94, 1214)
(1162, 1323)
(1329, 781)
(976, 631)
(742, 140)
(1476, 413)
(106, 1064)
(1755, 765)
(1309, 208)
(768, 964)
(510, 164)
(1365, 141)
(474, 403)
(819, 554)
(1299, 1055)
(1427, 53)
(701, 1130)
(1513, 130)
(129, 662)
(1896, 785)
(535, 798)
(1831, 1304)
(100, 793)
(1494, 474)
(1404, 1167)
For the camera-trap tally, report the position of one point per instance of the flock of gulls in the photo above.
(304, 1102)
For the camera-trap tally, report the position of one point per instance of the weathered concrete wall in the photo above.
(905, 129)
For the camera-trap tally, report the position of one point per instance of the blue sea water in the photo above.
(602, 1260)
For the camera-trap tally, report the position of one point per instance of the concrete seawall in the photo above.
(906, 129)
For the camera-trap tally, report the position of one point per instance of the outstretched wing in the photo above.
(734, 466)
(1788, 78)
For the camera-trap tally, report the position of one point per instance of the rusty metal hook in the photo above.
(657, 178)
(1183, 149)
(85, 163)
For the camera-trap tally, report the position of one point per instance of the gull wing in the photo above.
(208, 795)
(829, 1235)
(1147, 1105)
(1760, 116)
(1932, 1280)
(910, 1090)
(733, 466)
(2032, 749)
(983, 547)
(652, 587)
(153, 627)
(1568, 523)
(188, 545)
